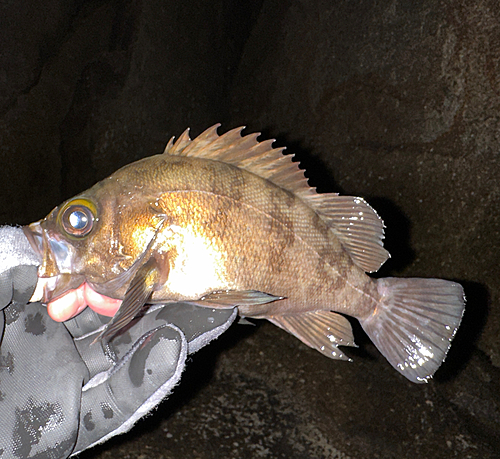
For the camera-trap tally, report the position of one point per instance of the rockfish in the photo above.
(229, 221)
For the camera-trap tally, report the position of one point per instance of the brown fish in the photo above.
(229, 221)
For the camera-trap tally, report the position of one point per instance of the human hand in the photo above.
(60, 394)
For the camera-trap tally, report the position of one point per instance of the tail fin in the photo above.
(414, 323)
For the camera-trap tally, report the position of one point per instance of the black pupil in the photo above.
(78, 219)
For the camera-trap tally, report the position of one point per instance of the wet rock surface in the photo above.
(395, 101)
(260, 393)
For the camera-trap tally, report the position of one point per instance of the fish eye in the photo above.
(77, 219)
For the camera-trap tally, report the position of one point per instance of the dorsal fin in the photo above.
(247, 153)
(353, 221)
(357, 225)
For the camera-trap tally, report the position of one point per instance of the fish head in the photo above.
(61, 239)
(95, 237)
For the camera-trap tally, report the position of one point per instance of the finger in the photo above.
(101, 304)
(143, 376)
(67, 306)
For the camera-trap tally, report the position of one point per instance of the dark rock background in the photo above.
(394, 100)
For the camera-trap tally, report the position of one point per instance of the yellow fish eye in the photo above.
(77, 217)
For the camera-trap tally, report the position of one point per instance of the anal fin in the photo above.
(321, 330)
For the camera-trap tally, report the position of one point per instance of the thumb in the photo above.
(114, 400)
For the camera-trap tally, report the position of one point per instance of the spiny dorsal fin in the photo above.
(247, 153)
(353, 221)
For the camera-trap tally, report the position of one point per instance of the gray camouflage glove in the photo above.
(58, 393)
(18, 267)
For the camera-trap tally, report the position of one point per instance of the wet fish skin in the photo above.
(228, 221)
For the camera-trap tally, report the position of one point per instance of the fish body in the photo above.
(228, 221)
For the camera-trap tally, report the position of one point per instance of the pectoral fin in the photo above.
(138, 294)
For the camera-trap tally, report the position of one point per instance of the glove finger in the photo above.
(41, 375)
(17, 284)
(84, 328)
(136, 370)
(6, 290)
(199, 325)
(86, 323)
(24, 279)
(114, 400)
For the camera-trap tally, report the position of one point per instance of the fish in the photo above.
(229, 221)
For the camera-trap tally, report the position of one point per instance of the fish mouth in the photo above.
(55, 273)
